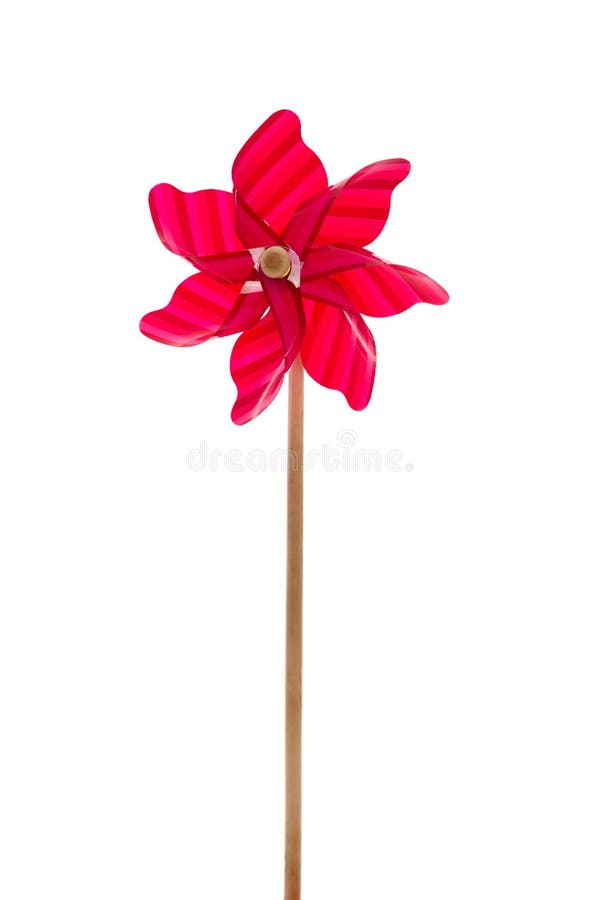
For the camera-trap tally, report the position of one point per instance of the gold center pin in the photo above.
(276, 263)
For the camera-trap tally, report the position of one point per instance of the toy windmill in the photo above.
(281, 262)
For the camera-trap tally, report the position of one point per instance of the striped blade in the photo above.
(384, 290)
(428, 290)
(326, 290)
(201, 308)
(275, 171)
(339, 351)
(336, 258)
(352, 212)
(257, 368)
(246, 311)
(200, 227)
(251, 228)
(286, 306)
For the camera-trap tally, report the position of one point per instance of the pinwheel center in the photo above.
(276, 262)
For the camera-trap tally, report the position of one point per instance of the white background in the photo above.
(451, 612)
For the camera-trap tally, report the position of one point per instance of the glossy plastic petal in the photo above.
(339, 351)
(386, 289)
(337, 258)
(428, 290)
(275, 171)
(257, 367)
(251, 228)
(326, 290)
(245, 312)
(201, 308)
(200, 227)
(352, 212)
(288, 312)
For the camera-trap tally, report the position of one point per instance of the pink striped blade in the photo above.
(275, 171)
(339, 351)
(257, 368)
(245, 312)
(352, 212)
(286, 306)
(326, 290)
(201, 308)
(386, 289)
(251, 228)
(200, 227)
(337, 258)
(428, 290)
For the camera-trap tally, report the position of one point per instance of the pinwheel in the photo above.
(281, 261)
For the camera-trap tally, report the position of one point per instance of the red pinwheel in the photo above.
(282, 261)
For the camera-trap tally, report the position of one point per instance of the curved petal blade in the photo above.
(339, 351)
(326, 290)
(257, 368)
(200, 227)
(251, 228)
(351, 212)
(202, 308)
(250, 305)
(286, 306)
(386, 289)
(275, 171)
(336, 258)
(428, 290)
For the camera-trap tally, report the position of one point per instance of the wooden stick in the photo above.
(293, 646)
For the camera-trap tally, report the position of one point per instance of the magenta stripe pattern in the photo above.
(245, 312)
(428, 290)
(288, 312)
(326, 290)
(251, 228)
(386, 289)
(257, 368)
(336, 258)
(201, 308)
(275, 171)
(339, 351)
(352, 212)
(200, 226)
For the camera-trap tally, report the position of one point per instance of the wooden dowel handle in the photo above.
(293, 674)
